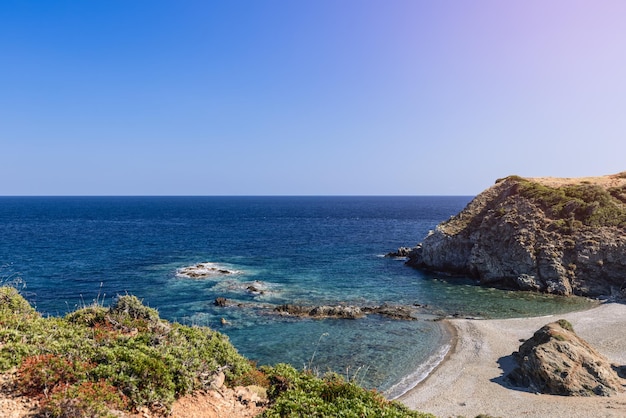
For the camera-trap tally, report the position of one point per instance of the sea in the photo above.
(64, 253)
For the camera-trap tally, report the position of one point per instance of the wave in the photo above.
(411, 380)
(256, 287)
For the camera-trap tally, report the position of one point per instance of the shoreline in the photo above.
(426, 369)
(469, 380)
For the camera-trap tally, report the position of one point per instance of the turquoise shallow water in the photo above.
(307, 250)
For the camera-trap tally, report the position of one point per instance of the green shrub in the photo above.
(147, 360)
(300, 394)
(583, 204)
(12, 303)
(88, 316)
(618, 193)
(140, 372)
(565, 324)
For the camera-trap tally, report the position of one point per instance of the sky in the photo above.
(307, 97)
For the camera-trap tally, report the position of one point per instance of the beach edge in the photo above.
(468, 382)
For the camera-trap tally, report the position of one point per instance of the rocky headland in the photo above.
(556, 235)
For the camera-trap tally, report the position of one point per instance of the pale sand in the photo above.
(469, 381)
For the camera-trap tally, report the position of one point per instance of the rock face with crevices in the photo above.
(558, 362)
(561, 236)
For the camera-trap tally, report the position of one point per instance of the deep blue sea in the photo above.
(72, 251)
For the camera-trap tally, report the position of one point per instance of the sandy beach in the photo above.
(469, 382)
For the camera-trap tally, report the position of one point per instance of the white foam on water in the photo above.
(205, 270)
(411, 380)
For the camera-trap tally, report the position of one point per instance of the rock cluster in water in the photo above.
(347, 312)
(400, 312)
(558, 362)
(203, 270)
(560, 236)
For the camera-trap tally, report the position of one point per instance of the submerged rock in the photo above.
(393, 311)
(558, 362)
(346, 312)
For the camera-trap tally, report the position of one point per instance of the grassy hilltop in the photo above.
(100, 362)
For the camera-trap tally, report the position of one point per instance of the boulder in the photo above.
(556, 361)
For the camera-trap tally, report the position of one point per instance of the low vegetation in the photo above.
(580, 204)
(99, 360)
(565, 324)
(301, 394)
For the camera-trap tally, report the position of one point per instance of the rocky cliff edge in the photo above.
(556, 235)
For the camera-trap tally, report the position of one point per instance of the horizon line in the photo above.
(240, 195)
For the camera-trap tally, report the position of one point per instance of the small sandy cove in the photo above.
(469, 382)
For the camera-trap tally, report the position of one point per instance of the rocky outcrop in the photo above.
(402, 252)
(561, 236)
(347, 311)
(558, 362)
(203, 271)
(400, 312)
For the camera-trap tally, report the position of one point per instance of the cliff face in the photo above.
(561, 236)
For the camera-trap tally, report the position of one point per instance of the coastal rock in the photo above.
(404, 313)
(203, 270)
(556, 361)
(257, 288)
(401, 252)
(560, 236)
(345, 312)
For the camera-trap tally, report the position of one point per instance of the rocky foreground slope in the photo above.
(561, 236)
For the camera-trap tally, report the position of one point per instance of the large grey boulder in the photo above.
(556, 361)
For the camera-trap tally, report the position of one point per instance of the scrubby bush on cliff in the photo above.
(98, 360)
(300, 394)
(589, 204)
(13, 303)
(95, 352)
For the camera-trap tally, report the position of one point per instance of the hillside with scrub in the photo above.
(555, 235)
(125, 361)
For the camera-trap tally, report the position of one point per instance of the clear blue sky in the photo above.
(307, 97)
